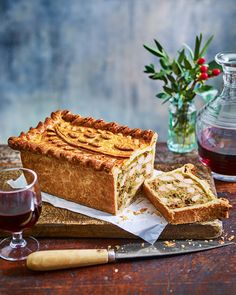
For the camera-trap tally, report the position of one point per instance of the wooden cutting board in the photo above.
(56, 222)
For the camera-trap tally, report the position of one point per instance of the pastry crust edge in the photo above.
(23, 143)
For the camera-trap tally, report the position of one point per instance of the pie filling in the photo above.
(178, 191)
(132, 176)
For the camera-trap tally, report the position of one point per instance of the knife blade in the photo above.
(62, 259)
(166, 248)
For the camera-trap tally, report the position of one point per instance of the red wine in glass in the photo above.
(18, 212)
(20, 208)
(217, 149)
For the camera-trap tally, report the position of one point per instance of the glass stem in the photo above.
(17, 240)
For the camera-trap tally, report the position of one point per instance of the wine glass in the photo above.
(20, 207)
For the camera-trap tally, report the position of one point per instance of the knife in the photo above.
(61, 259)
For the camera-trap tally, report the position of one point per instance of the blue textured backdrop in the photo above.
(87, 56)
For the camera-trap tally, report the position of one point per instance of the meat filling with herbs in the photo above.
(132, 177)
(177, 191)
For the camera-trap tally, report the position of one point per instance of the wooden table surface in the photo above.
(210, 272)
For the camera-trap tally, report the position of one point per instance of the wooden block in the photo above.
(56, 222)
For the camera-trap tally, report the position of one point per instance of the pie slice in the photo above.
(181, 197)
(98, 164)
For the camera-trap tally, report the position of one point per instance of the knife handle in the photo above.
(61, 259)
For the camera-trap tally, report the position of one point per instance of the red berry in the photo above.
(216, 72)
(201, 61)
(203, 69)
(203, 76)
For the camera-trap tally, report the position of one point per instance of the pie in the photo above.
(98, 164)
(181, 197)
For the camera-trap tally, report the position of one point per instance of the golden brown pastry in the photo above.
(182, 197)
(92, 162)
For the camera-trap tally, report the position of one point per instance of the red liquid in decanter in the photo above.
(217, 150)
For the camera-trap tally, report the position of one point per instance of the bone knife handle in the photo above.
(61, 259)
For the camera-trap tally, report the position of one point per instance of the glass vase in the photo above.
(181, 132)
(216, 125)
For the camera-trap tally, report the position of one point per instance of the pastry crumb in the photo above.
(141, 211)
(169, 243)
(221, 241)
(231, 238)
(116, 269)
(124, 218)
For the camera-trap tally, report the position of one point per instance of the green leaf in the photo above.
(190, 94)
(190, 50)
(197, 46)
(187, 77)
(203, 88)
(175, 68)
(203, 51)
(154, 51)
(200, 38)
(149, 69)
(159, 76)
(167, 99)
(187, 64)
(214, 65)
(171, 78)
(164, 80)
(162, 95)
(180, 68)
(158, 45)
(168, 90)
(181, 56)
(164, 63)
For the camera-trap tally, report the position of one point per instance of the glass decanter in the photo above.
(216, 125)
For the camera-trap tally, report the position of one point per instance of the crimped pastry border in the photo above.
(146, 135)
(23, 141)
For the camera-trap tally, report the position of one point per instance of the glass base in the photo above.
(227, 178)
(180, 148)
(18, 252)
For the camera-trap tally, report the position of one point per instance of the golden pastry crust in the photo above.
(191, 201)
(73, 182)
(93, 143)
(88, 161)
